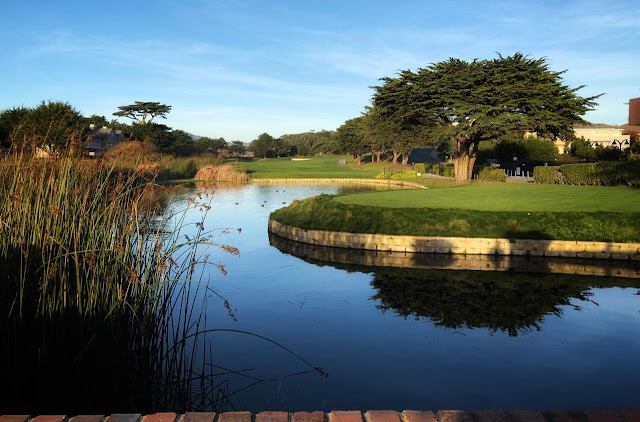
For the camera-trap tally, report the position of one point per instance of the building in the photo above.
(563, 145)
(424, 155)
(596, 134)
(603, 135)
(97, 141)
(634, 112)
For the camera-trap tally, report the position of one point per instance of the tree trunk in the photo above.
(378, 153)
(357, 160)
(405, 159)
(465, 154)
(461, 164)
(395, 157)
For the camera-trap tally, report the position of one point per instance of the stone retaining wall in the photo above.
(325, 181)
(589, 415)
(525, 264)
(460, 245)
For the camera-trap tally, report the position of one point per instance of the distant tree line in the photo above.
(306, 143)
(57, 125)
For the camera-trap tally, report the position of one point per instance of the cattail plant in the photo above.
(89, 250)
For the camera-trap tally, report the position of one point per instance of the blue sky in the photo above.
(237, 69)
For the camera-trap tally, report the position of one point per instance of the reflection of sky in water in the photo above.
(586, 358)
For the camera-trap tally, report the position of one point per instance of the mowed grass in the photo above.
(527, 197)
(314, 167)
(518, 211)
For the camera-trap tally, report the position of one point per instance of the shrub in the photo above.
(225, 172)
(132, 150)
(550, 175)
(603, 173)
(420, 168)
(185, 168)
(620, 173)
(580, 174)
(492, 174)
(397, 175)
(448, 170)
(510, 146)
(404, 175)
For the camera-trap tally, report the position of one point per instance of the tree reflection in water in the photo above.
(508, 302)
(500, 301)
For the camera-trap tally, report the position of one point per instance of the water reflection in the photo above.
(494, 293)
(494, 301)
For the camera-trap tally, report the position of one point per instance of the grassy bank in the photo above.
(327, 212)
(508, 197)
(326, 167)
(316, 167)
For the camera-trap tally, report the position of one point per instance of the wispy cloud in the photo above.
(253, 65)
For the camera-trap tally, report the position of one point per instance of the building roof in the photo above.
(102, 133)
(594, 126)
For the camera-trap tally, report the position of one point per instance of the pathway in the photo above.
(616, 415)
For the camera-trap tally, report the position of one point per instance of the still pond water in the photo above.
(411, 339)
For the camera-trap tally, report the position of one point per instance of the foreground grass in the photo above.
(327, 212)
(508, 197)
(98, 266)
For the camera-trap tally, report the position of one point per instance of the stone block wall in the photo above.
(502, 263)
(460, 245)
(332, 181)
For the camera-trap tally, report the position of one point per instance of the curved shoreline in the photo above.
(459, 245)
(334, 180)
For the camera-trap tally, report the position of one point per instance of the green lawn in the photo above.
(315, 167)
(522, 211)
(507, 197)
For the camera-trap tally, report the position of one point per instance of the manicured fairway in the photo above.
(280, 168)
(507, 197)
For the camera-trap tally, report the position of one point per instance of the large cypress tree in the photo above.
(470, 102)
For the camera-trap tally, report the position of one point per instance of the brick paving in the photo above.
(588, 415)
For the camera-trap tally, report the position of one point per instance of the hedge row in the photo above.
(441, 169)
(397, 175)
(603, 173)
(550, 175)
(492, 174)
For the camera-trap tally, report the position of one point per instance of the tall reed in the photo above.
(84, 252)
(144, 157)
(102, 295)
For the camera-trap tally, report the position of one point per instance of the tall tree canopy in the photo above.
(237, 148)
(140, 111)
(267, 146)
(470, 102)
(310, 143)
(214, 145)
(350, 137)
(53, 124)
(11, 125)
